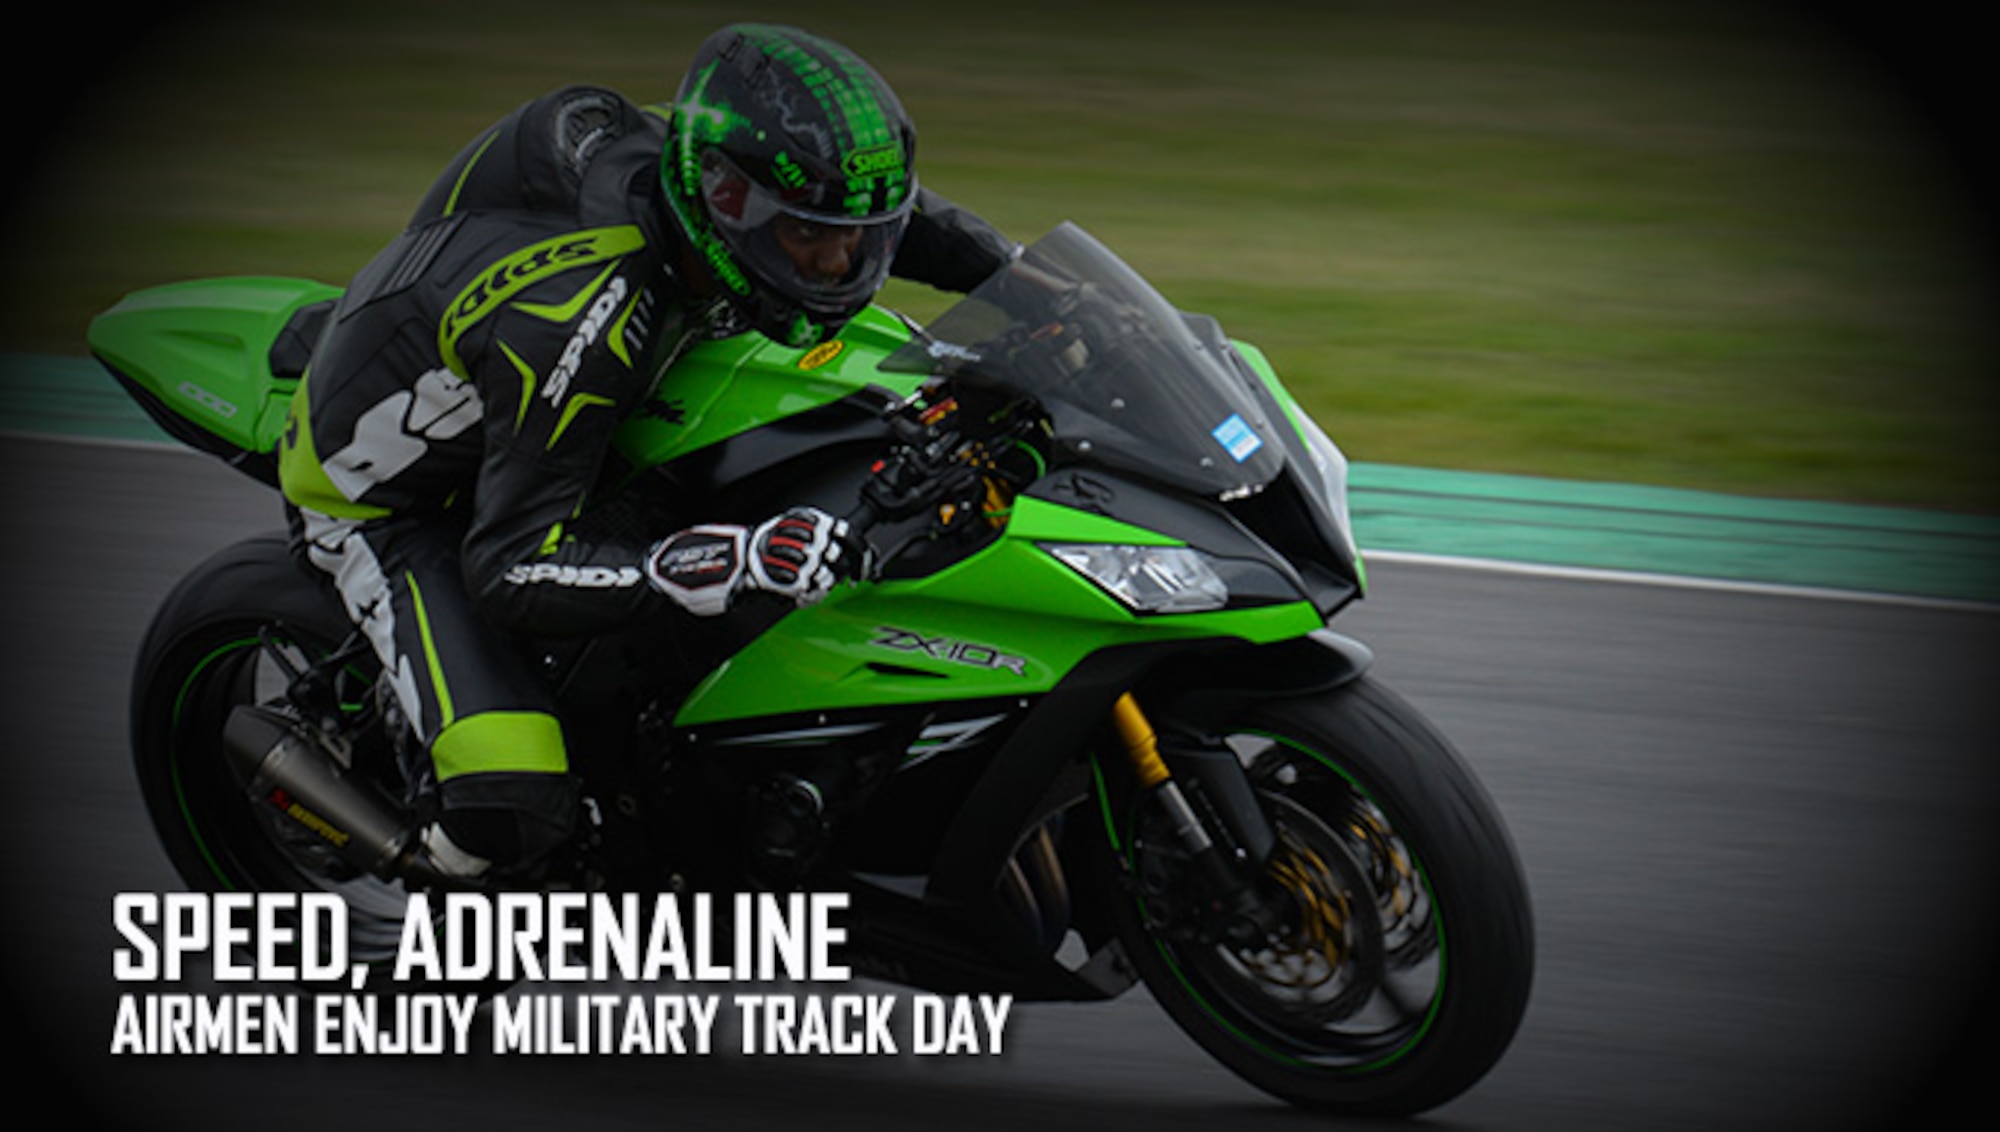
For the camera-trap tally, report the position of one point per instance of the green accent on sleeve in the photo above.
(512, 274)
(618, 328)
(527, 373)
(302, 478)
(565, 311)
(498, 741)
(571, 408)
(553, 542)
(451, 204)
(431, 661)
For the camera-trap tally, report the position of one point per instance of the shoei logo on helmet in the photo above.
(875, 161)
(821, 354)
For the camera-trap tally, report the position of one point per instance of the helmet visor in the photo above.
(829, 263)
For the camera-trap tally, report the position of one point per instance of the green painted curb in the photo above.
(1523, 519)
(69, 397)
(1672, 531)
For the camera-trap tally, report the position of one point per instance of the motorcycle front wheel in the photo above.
(1402, 964)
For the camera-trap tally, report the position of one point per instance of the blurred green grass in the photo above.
(1694, 245)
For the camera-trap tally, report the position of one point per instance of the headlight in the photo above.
(1150, 579)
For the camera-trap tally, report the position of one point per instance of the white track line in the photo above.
(1675, 581)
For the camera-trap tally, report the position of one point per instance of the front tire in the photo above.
(1404, 965)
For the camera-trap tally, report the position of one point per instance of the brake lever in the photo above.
(856, 546)
(915, 477)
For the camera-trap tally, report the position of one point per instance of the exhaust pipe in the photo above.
(286, 769)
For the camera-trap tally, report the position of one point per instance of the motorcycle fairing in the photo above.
(765, 384)
(214, 362)
(832, 655)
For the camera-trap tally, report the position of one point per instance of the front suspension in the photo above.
(1228, 874)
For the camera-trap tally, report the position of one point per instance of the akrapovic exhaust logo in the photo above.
(948, 649)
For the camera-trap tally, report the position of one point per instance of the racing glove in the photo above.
(793, 555)
(796, 555)
(701, 568)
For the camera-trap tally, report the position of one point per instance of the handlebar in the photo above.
(924, 469)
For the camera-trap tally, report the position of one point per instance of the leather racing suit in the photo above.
(459, 405)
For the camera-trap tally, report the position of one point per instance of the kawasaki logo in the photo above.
(875, 161)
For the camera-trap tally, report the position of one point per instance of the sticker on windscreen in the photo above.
(1237, 438)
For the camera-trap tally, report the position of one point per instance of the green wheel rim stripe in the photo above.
(194, 677)
(1167, 956)
(174, 762)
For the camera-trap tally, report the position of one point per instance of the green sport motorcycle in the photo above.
(1080, 722)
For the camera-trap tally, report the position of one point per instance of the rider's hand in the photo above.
(800, 554)
(701, 567)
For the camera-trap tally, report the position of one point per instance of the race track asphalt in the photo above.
(1759, 830)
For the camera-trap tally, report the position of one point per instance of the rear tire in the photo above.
(1407, 962)
(208, 650)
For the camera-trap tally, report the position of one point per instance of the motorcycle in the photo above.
(1079, 723)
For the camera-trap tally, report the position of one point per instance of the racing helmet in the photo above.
(775, 136)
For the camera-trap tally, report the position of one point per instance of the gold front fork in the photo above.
(1244, 918)
(1142, 746)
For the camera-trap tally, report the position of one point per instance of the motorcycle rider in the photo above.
(464, 394)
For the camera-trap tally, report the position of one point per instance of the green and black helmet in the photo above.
(776, 131)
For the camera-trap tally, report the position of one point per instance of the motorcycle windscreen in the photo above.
(1124, 381)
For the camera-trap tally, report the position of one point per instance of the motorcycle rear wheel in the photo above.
(222, 638)
(1406, 959)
